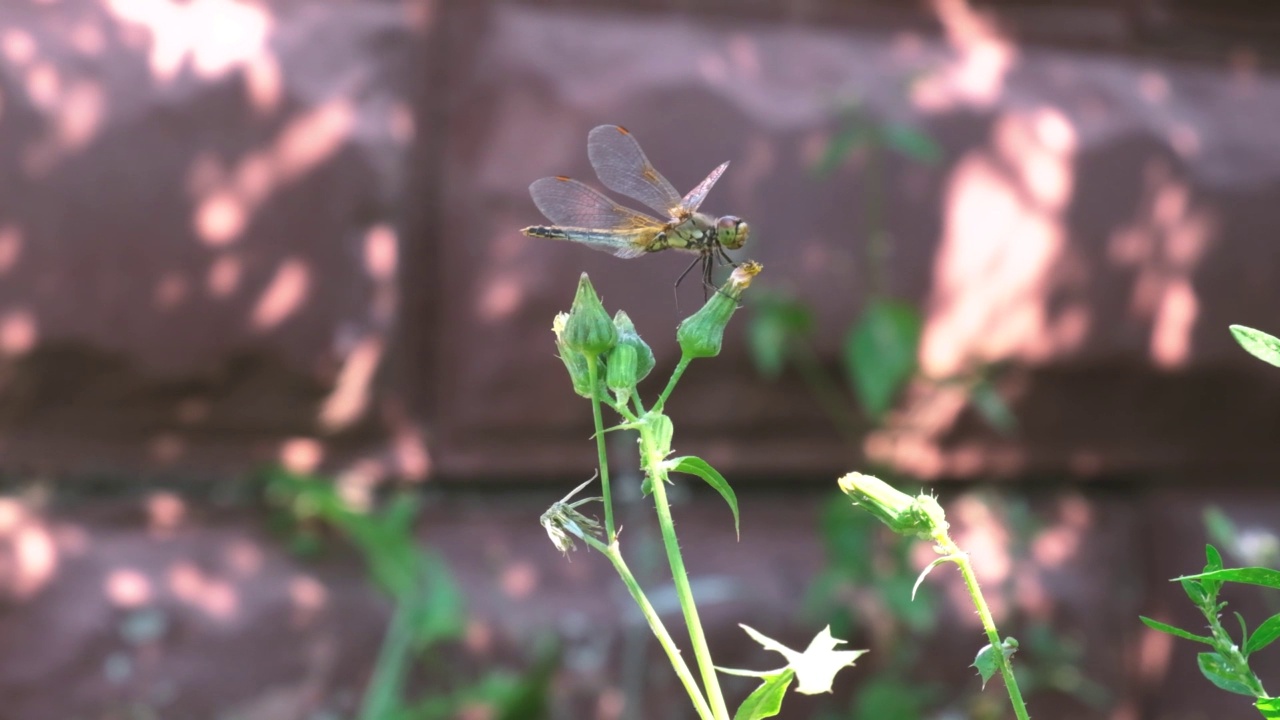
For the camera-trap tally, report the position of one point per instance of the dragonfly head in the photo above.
(731, 232)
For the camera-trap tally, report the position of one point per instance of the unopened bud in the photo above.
(921, 516)
(588, 328)
(702, 333)
(621, 365)
(627, 335)
(575, 362)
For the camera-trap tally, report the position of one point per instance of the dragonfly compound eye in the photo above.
(731, 231)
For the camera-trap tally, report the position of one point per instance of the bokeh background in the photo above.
(280, 408)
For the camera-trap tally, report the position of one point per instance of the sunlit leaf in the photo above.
(1269, 707)
(1266, 577)
(1258, 344)
(815, 668)
(988, 659)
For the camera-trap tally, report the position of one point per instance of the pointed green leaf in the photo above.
(880, 353)
(1263, 635)
(1269, 707)
(923, 573)
(766, 700)
(1214, 667)
(697, 466)
(913, 143)
(1194, 590)
(1266, 577)
(1258, 344)
(1176, 632)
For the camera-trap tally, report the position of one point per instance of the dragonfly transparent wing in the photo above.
(695, 197)
(623, 168)
(587, 216)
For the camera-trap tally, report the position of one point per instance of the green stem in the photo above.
(593, 375)
(671, 384)
(612, 552)
(961, 559)
(1230, 652)
(658, 478)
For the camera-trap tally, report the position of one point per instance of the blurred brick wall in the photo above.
(234, 232)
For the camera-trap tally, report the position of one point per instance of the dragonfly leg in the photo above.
(724, 256)
(676, 288)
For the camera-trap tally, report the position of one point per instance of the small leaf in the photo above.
(1269, 707)
(842, 145)
(880, 353)
(1176, 632)
(986, 663)
(1214, 667)
(698, 466)
(991, 407)
(923, 573)
(1195, 591)
(766, 700)
(913, 143)
(1263, 635)
(1258, 344)
(1266, 577)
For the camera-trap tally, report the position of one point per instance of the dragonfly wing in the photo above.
(586, 215)
(623, 168)
(695, 197)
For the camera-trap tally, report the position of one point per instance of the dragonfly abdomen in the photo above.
(543, 231)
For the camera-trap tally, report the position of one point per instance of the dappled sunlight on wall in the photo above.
(28, 552)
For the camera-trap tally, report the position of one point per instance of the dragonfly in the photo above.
(584, 215)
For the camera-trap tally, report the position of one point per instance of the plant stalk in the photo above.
(671, 384)
(701, 652)
(593, 375)
(612, 552)
(961, 559)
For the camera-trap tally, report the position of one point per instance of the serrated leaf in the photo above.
(880, 353)
(913, 143)
(1269, 707)
(1258, 344)
(1265, 577)
(766, 700)
(1263, 635)
(986, 663)
(697, 466)
(816, 667)
(1175, 631)
(1219, 672)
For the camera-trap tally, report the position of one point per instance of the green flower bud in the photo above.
(589, 329)
(921, 516)
(627, 335)
(621, 373)
(575, 362)
(702, 333)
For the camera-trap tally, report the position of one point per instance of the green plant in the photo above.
(922, 517)
(606, 359)
(1227, 665)
(428, 605)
